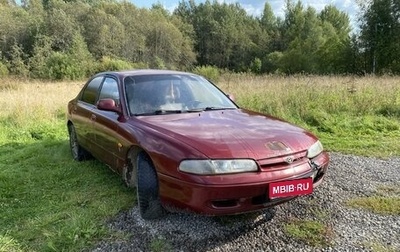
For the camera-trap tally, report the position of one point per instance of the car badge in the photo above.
(289, 159)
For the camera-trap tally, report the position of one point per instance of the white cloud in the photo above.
(256, 7)
(317, 5)
(252, 10)
(345, 3)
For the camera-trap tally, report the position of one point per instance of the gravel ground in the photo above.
(347, 229)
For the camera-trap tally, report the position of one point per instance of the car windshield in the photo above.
(173, 93)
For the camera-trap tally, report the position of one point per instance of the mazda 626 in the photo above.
(186, 146)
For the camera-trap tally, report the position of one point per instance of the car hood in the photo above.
(234, 133)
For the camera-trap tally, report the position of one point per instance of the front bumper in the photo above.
(248, 193)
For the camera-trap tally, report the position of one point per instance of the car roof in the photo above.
(134, 72)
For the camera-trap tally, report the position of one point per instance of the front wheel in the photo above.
(147, 189)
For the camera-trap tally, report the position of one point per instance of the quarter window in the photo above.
(91, 91)
(110, 90)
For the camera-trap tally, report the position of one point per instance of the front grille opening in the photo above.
(225, 203)
(318, 176)
(258, 200)
(282, 164)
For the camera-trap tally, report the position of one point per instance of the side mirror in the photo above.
(108, 105)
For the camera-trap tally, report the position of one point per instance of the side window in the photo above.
(91, 91)
(110, 90)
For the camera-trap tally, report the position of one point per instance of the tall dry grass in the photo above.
(30, 101)
(297, 96)
(32, 109)
(24, 101)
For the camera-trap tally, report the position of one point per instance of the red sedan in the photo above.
(186, 146)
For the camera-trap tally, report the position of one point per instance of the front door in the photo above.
(105, 125)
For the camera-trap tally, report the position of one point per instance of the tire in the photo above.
(147, 189)
(78, 153)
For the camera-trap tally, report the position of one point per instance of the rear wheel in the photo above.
(147, 189)
(78, 153)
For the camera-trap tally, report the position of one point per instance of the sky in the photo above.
(255, 7)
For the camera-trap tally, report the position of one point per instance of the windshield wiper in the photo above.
(207, 109)
(168, 111)
(179, 111)
(216, 108)
(194, 110)
(161, 112)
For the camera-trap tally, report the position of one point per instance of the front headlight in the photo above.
(315, 149)
(209, 167)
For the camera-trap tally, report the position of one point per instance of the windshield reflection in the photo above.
(173, 93)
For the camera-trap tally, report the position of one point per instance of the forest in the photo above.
(72, 39)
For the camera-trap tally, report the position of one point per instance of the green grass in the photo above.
(386, 201)
(378, 204)
(378, 247)
(313, 233)
(393, 190)
(8, 244)
(367, 135)
(48, 201)
(160, 245)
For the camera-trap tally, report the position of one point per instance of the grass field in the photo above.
(50, 203)
(47, 201)
(350, 115)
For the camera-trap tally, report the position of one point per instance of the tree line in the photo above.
(71, 39)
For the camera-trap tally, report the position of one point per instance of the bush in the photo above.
(210, 72)
(256, 65)
(16, 64)
(159, 63)
(109, 64)
(272, 63)
(81, 55)
(62, 66)
(389, 110)
(139, 65)
(3, 69)
(42, 50)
